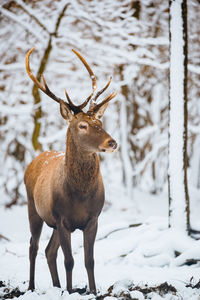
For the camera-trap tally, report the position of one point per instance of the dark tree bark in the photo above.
(179, 209)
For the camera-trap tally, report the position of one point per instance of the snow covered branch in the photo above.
(18, 20)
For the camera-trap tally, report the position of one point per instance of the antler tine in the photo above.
(74, 108)
(92, 76)
(30, 74)
(91, 73)
(68, 98)
(44, 88)
(102, 90)
(94, 108)
(85, 102)
(77, 108)
(48, 92)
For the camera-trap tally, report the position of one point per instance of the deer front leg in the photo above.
(89, 238)
(65, 242)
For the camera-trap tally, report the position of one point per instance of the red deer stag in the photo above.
(65, 189)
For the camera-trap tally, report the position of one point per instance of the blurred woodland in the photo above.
(125, 39)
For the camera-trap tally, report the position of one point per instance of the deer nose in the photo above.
(112, 144)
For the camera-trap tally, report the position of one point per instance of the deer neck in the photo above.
(82, 167)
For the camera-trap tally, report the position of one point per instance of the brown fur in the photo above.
(66, 191)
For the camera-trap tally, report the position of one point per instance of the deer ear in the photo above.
(65, 111)
(100, 112)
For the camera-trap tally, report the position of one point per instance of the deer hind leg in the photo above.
(89, 238)
(35, 227)
(65, 242)
(51, 255)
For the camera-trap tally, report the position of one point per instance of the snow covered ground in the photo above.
(125, 256)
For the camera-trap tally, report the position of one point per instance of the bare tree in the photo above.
(126, 38)
(179, 210)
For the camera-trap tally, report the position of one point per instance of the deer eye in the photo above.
(83, 126)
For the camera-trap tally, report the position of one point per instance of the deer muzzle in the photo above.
(108, 146)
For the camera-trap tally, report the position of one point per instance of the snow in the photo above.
(124, 255)
(108, 36)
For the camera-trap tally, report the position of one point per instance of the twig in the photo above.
(4, 238)
(119, 229)
(26, 26)
(31, 14)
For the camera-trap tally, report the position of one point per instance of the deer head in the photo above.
(85, 128)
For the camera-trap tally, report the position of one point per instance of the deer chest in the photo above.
(76, 208)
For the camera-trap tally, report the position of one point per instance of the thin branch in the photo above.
(149, 157)
(32, 15)
(194, 69)
(2, 237)
(26, 26)
(119, 229)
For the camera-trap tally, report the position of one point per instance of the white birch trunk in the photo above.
(178, 194)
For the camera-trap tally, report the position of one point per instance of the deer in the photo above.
(65, 189)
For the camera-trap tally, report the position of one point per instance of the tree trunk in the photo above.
(36, 95)
(127, 167)
(179, 210)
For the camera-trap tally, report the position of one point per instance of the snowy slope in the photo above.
(124, 255)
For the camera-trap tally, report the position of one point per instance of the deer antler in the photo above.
(44, 88)
(101, 91)
(48, 92)
(76, 109)
(92, 76)
(79, 108)
(95, 107)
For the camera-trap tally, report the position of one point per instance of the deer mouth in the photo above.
(108, 150)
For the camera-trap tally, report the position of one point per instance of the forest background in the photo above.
(125, 39)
